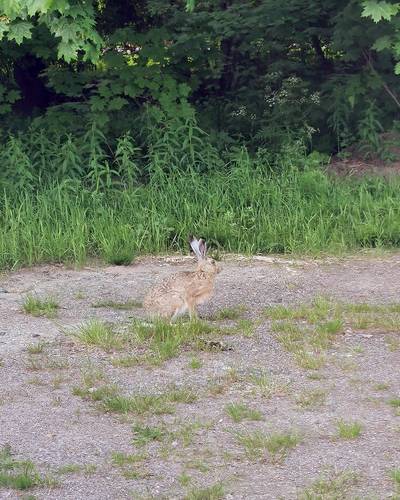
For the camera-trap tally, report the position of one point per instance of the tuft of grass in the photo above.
(146, 434)
(326, 332)
(348, 430)
(246, 327)
(139, 405)
(17, 474)
(69, 469)
(181, 395)
(119, 459)
(229, 313)
(111, 400)
(335, 487)
(267, 385)
(100, 334)
(310, 360)
(307, 331)
(395, 402)
(40, 307)
(319, 310)
(395, 475)
(311, 399)
(392, 342)
(126, 361)
(184, 479)
(35, 363)
(123, 306)
(214, 492)
(166, 340)
(86, 469)
(185, 433)
(131, 465)
(195, 363)
(381, 386)
(239, 412)
(278, 445)
(37, 348)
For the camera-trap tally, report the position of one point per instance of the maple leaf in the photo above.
(379, 10)
(19, 30)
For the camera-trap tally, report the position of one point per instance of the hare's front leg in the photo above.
(179, 312)
(192, 311)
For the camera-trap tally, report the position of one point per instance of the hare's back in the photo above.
(170, 290)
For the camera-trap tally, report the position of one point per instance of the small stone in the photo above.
(2, 334)
(36, 335)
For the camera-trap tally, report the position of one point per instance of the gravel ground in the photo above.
(43, 421)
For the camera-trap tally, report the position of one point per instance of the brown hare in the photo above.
(182, 292)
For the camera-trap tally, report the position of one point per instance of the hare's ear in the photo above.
(203, 248)
(195, 244)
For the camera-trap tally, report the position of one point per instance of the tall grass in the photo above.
(247, 205)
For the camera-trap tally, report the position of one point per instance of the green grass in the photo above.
(230, 313)
(110, 399)
(195, 364)
(335, 487)
(67, 222)
(86, 469)
(111, 304)
(126, 361)
(311, 399)
(37, 348)
(165, 340)
(214, 492)
(268, 386)
(309, 330)
(348, 430)
(99, 334)
(121, 459)
(239, 412)
(40, 307)
(278, 445)
(395, 475)
(381, 386)
(395, 402)
(17, 474)
(144, 434)
(246, 327)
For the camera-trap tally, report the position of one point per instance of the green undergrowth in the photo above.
(309, 330)
(109, 398)
(165, 340)
(37, 306)
(249, 206)
(152, 342)
(19, 474)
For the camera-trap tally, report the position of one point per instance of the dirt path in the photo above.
(92, 452)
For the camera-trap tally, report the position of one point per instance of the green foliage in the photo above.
(262, 74)
(242, 206)
(379, 10)
(73, 23)
(17, 474)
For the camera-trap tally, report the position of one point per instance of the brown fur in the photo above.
(183, 292)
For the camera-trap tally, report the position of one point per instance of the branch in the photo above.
(388, 90)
